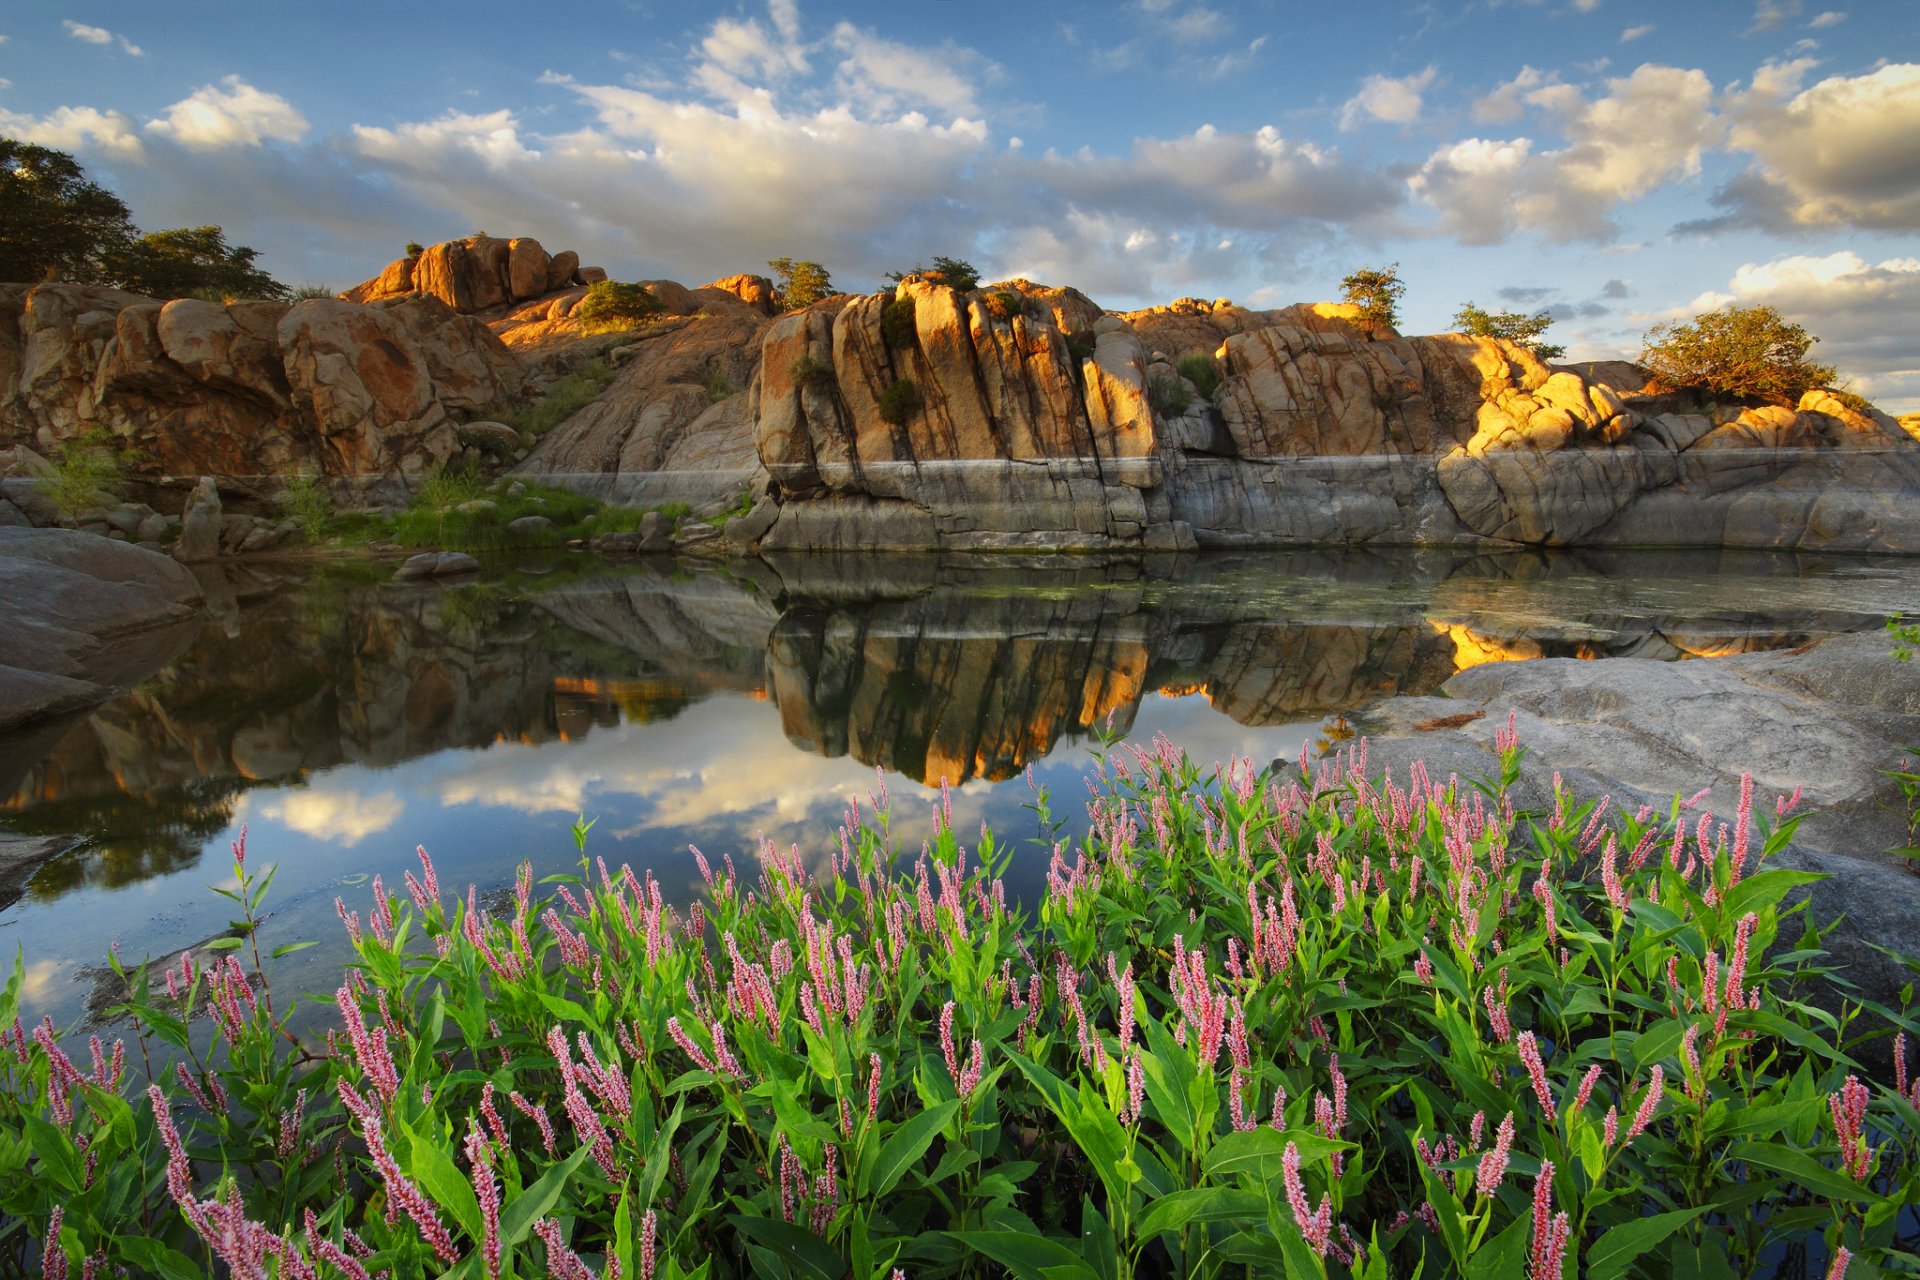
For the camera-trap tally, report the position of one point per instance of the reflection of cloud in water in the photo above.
(38, 980)
(340, 817)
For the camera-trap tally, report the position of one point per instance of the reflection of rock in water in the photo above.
(322, 673)
(954, 687)
(1266, 674)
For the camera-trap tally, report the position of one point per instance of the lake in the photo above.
(343, 719)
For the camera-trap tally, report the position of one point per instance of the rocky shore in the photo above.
(1016, 416)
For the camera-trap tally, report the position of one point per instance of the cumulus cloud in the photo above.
(883, 77)
(112, 133)
(1635, 32)
(1831, 18)
(1647, 129)
(1394, 100)
(101, 36)
(231, 114)
(1866, 314)
(1843, 152)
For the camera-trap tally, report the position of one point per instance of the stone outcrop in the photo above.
(478, 274)
(250, 389)
(85, 615)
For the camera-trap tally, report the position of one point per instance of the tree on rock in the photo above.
(611, 305)
(53, 221)
(955, 273)
(1377, 294)
(1736, 351)
(1522, 331)
(801, 283)
(192, 262)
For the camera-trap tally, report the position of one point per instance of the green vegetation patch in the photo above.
(1202, 370)
(1302, 1023)
(458, 510)
(572, 392)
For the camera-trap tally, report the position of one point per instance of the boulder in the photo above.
(200, 524)
(755, 291)
(533, 529)
(436, 564)
(496, 438)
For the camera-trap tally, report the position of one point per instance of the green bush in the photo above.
(574, 391)
(900, 401)
(415, 248)
(801, 283)
(1511, 326)
(897, 328)
(302, 292)
(1377, 293)
(1005, 304)
(1202, 370)
(1168, 395)
(303, 500)
(612, 307)
(1081, 345)
(85, 467)
(720, 386)
(1737, 351)
(458, 510)
(811, 371)
(1308, 1023)
(955, 273)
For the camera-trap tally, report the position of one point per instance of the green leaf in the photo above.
(1028, 1256)
(1803, 1169)
(1259, 1152)
(904, 1147)
(537, 1201)
(794, 1243)
(153, 1258)
(1506, 1257)
(288, 948)
(1619, 1247)
(1453, 1228)
(440, 1178)
(1201, 1204)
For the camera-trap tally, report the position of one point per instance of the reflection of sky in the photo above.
(719, 776)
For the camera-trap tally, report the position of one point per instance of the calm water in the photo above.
(344, 719)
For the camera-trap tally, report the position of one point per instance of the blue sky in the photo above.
(1617, 161)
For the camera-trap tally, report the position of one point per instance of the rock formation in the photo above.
(478, 274)
(250, 389)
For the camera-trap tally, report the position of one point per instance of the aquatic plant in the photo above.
(1306, 1023)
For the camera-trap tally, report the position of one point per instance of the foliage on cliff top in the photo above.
(1512, 326)
(801, 283)
(1736, 351)
(613, 307)
(1307, 1024)
(1377, 292)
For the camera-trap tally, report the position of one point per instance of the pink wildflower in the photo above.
(1493, 1165)
(1530, 1057)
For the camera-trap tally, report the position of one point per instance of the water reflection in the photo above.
(346, 717)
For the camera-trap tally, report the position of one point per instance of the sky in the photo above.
(1617, 162)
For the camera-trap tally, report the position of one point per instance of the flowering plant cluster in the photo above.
(1306, 1023)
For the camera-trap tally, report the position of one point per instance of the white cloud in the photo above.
(1509, 102)
(1648, 129)
(101, 36)
(1634, 33)
(493, 138)
(1389, 99)
(73, 128)
(1844, 152)
(883, 76)
(1586, 6)
(1831, 18)
(1769, 14)
(342, 817)
(235, 114)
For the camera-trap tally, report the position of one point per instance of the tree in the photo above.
(956, 273)
(53, 222)
(1377, 294)
(801, 283)
(1522, 331)
(191, 261)
(1736, 351)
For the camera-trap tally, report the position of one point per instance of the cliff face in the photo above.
(1013, 416)
(248, 389)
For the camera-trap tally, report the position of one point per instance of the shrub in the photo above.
(811, 371)
(306, 502)
(720, 386)
(1005, 304)
(801, 283)
(1409, 1031)
(574, 391)
(612, 307)
(304, 291)
(436, 518)
(897, 329)
(1168, 395)
(415, 248)
(899, 401)
(1377, 293)
(1736, 351)
(85, 467)
(955, 273)
(1523, 331)
(1081, 345)
(1202, 370)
